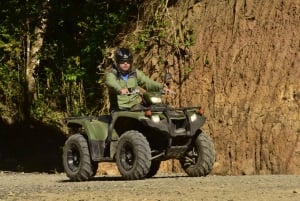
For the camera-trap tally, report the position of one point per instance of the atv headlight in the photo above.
(155, 118)
(155, 100)
(193, 117)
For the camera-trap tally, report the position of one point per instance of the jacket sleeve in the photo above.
(147, 82)
(111, 81)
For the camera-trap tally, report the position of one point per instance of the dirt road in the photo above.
(18, 186)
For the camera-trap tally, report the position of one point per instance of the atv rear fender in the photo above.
(94, 128)
(96, 131)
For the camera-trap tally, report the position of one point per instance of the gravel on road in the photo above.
(162, 187)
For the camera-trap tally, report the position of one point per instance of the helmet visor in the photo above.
(122, 61)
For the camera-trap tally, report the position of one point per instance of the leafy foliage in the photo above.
(10, 71)
(75, 41)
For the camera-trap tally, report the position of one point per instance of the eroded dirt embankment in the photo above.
(243, 65)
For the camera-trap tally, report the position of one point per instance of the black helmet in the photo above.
(123, 54)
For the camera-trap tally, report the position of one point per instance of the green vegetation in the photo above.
(50, 52)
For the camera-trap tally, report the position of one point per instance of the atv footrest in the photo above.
(106, 159)
(176, 151)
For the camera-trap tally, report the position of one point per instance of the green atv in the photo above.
(138, 140)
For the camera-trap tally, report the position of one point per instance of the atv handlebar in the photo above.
(139, 92)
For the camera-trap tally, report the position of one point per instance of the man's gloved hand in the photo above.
(124, 91)
(167, 90)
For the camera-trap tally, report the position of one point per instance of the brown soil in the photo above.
(16, 186)
(243, 65)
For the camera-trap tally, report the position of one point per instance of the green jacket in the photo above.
(136, 79)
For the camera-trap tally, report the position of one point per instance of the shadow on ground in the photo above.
(36, 147)
(120, 178)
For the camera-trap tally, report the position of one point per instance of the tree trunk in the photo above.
(33, 46)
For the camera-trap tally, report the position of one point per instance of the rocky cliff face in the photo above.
(242, 63)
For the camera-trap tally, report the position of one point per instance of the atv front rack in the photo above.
(177, 121)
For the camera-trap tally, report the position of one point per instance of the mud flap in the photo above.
(113, 148)
(97, 149)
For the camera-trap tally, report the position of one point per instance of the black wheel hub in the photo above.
(191, 158)
(73, 158)
(127, 156)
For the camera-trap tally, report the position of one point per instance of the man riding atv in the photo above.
(137, 137)
(124, 78)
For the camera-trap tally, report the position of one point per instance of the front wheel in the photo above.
(199, 160)
(133, 156)
(153, 168)
(94, 168)
(76, 159)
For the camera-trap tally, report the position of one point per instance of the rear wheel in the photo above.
(199, 160)
(133, 155)
(76, 159)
